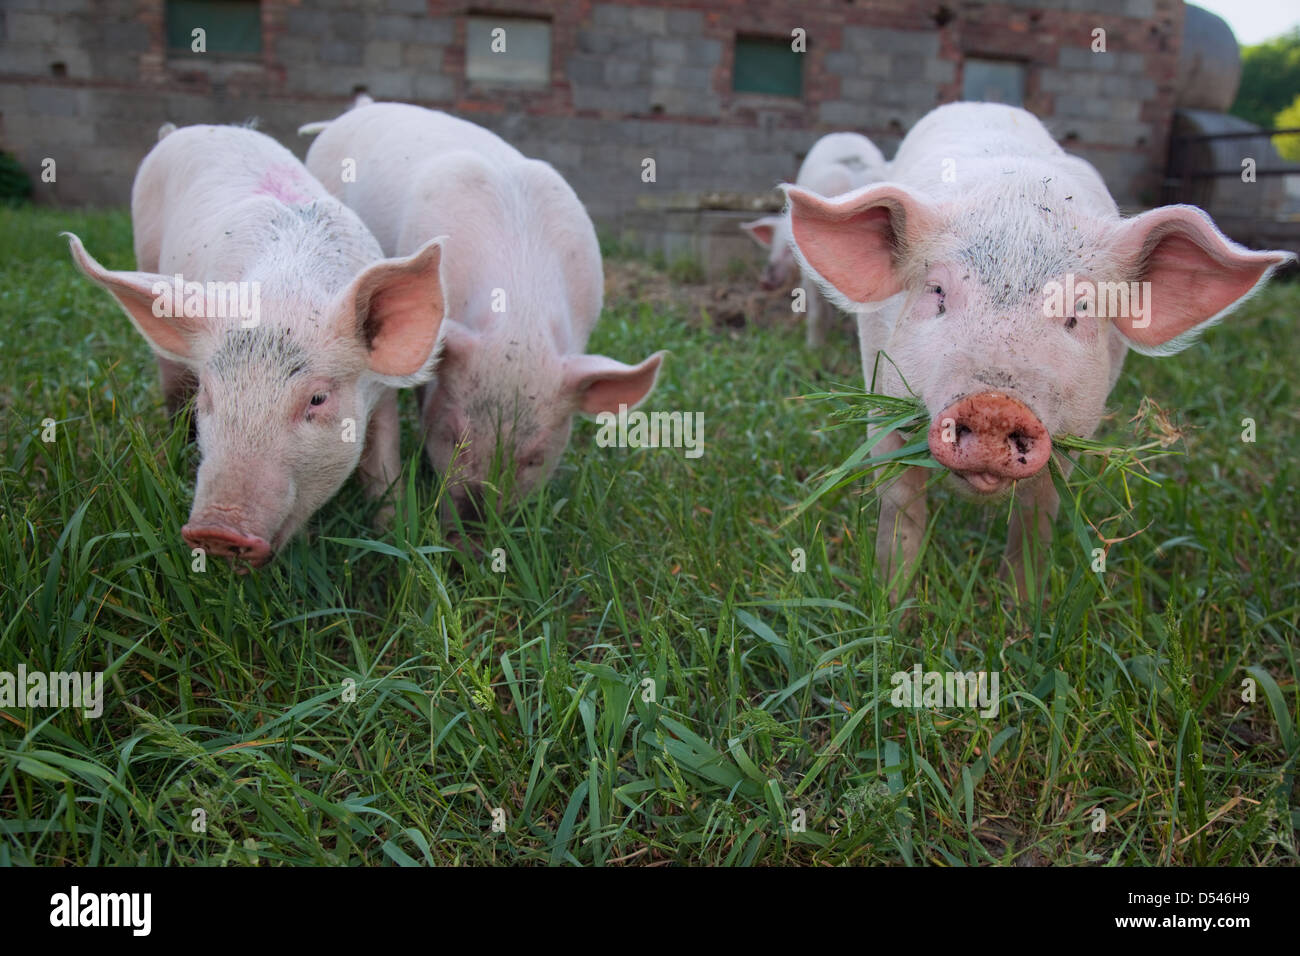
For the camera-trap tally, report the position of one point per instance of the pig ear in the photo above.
(853, 242)
(762, 230)
(601, 384)
(399, 306)
(170, 336)
(1197, 276)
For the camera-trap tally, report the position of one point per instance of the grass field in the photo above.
(649, 680)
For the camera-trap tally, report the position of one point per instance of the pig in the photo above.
(837, 163)
(969, 271)
(297, 392)
(523, 282)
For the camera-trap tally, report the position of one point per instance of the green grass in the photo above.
(649, 680)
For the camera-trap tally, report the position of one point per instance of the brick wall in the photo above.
(87, 82)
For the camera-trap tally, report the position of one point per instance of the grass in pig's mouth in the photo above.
(858, 408)
(1107, 467)
(1110, 467)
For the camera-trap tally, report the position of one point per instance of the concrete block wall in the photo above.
(88, 82)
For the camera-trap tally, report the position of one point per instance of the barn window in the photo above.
(229, 26)
(767, 65)
(993, 81)
(508, 51)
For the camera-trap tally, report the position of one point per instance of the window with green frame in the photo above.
(993, 81)
(767, 65)
(231, 26)
(523, 59)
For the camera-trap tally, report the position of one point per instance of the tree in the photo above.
(1270, 78)
(1288, 146)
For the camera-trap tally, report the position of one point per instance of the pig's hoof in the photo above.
(385, 515)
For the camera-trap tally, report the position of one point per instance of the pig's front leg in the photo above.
(1030, 529)
(902, 523)
(380, 460)
(817, 309)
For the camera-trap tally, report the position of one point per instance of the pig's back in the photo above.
(976, 129)
(226, 202)
(389, 140)
(405, 134)
(393, 145)
(851, 152)
(965, 148)
(211, 166)
(512, 222)
(515, 225)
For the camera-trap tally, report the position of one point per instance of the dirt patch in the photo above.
(729, 303)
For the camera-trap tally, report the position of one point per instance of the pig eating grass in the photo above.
(837, 163)
(523, 281)
(981, 265)
(297, 392)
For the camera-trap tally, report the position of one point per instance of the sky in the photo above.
(1254, 21)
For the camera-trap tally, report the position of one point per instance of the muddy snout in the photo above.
(990, 440)
(773, 277)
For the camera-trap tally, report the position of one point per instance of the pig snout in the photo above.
(990, 440)
(773, 277)
(470, 502)
(220, 540)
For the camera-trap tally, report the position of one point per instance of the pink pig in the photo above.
(524, 287)
(270, 298)
(837, 163)
(995, 279)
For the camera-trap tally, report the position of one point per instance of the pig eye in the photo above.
(317, 400)
(937, 290)
(1080, 308)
